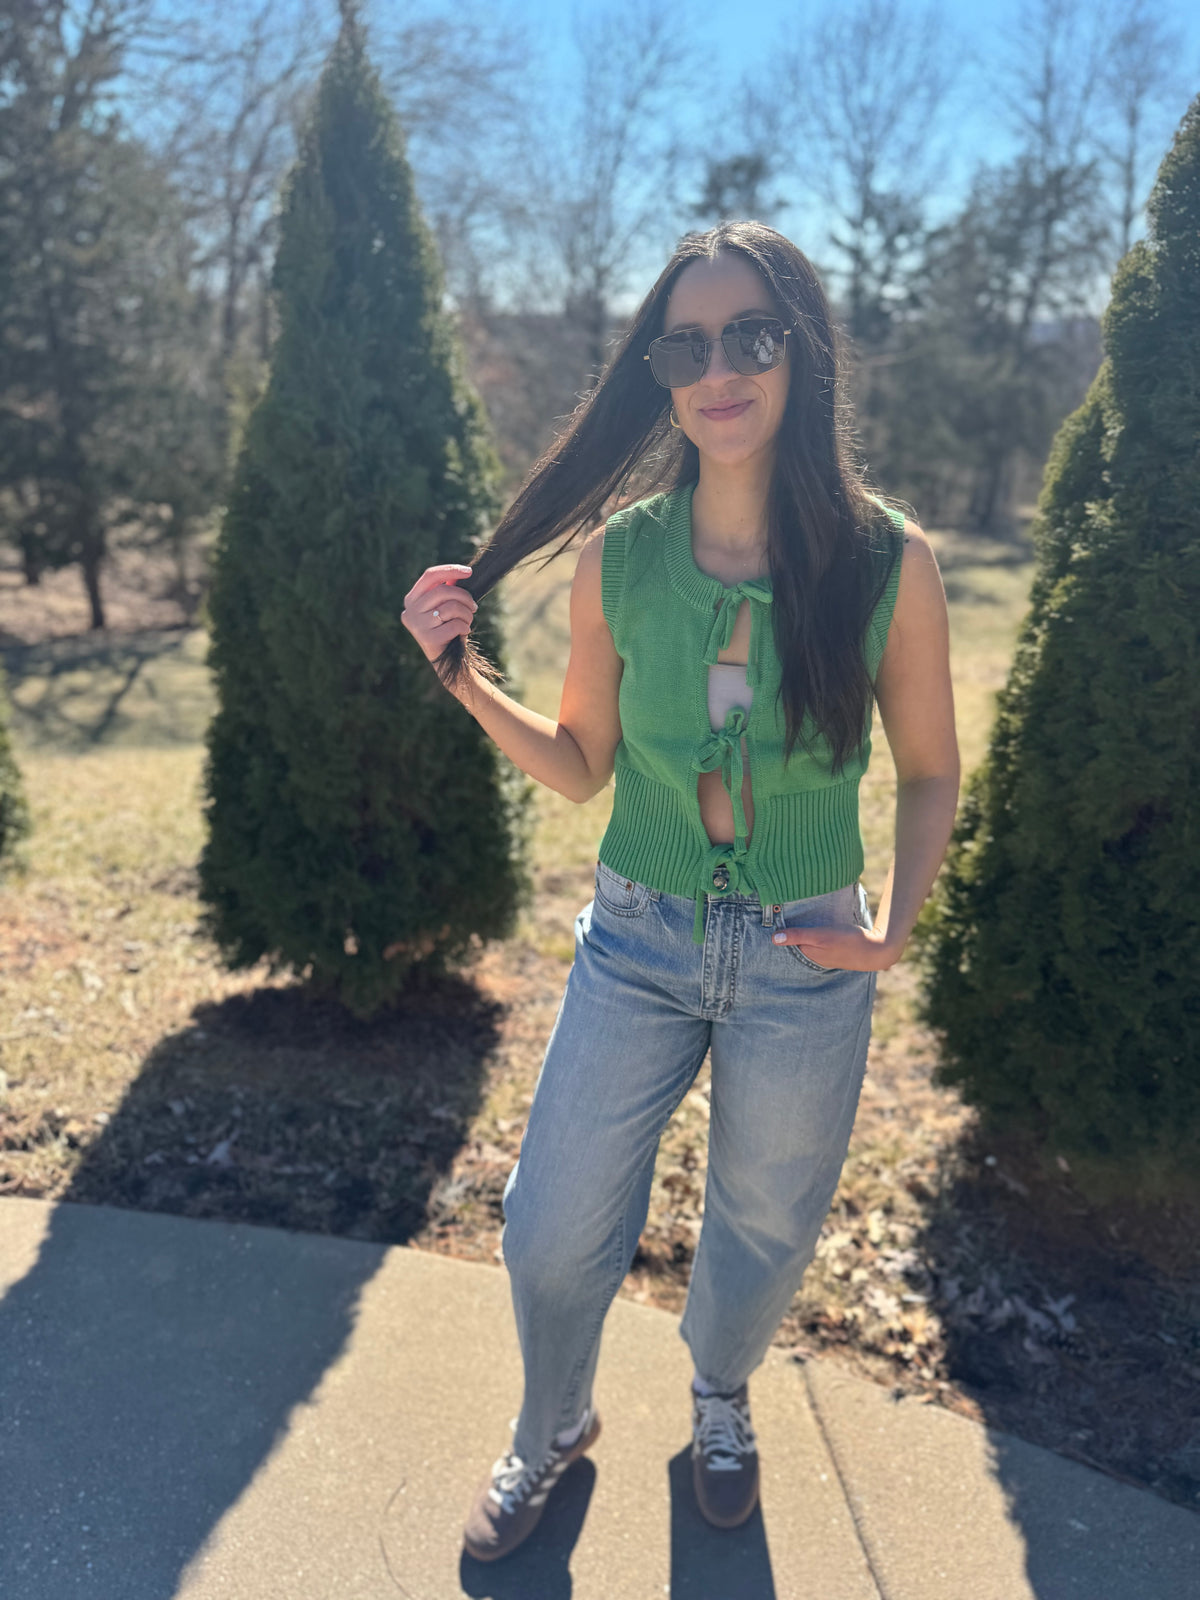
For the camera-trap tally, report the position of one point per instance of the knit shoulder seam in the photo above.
(612, 566)
(618, 530)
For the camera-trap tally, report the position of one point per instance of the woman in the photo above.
(728, 633)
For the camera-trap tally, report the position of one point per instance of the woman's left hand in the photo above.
(843, 949)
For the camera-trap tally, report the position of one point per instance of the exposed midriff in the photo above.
(716, 806)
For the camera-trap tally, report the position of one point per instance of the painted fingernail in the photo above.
(778, 938)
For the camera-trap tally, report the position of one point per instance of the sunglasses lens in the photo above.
(677, 359)
(754, 344)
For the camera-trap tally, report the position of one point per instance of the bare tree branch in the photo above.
(600, 208)
(1142, 91)
(865, 117)
(223, 107)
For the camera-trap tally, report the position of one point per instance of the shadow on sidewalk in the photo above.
(143, 1388)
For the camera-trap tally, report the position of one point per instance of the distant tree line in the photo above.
(142, 151)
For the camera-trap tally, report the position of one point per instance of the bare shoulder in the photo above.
(585, 586)
(919, 623)
(591, 551)
(913, 685)
(916, 547)
(920, 582)
(591, 637)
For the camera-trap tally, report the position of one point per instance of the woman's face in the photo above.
(729, 416)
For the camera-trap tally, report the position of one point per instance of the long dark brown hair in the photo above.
(822, 523)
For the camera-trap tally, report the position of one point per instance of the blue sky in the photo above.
(733, 39)
(734, 35)
(977, 20)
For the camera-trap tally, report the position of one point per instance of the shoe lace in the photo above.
(724, 1431)
(513, 1478)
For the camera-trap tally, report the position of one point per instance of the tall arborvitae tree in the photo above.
(363, 829)
(15, 820)
(1060, 943)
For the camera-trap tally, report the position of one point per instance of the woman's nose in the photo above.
(718, 362)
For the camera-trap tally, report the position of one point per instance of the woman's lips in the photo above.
(724, 413)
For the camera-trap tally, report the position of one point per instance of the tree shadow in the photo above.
(84, 683)
(144, 1388)
(1071, 1324)
(278, 1108)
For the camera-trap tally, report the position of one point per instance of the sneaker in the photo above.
(510, 1503)
(724, 1457)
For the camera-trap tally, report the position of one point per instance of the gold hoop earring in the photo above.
(672, 418)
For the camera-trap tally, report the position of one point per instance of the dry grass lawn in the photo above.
(136, 1071)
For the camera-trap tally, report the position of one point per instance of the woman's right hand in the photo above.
(434, 591)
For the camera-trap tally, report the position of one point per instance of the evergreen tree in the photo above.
(363, 829)
(1060, 943)
(103, 335)
(15, 821)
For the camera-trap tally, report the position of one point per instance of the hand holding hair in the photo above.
(435, 610)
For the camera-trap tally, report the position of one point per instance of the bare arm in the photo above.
(916, 704)
(574, 755)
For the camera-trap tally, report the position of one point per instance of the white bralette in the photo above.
(727, 687)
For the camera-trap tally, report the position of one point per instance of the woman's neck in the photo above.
(729, 514)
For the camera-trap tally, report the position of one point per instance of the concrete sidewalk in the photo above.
(228, 1412)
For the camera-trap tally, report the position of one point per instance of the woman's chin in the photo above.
(729, 452)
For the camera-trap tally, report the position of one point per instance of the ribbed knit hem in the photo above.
(805, 843)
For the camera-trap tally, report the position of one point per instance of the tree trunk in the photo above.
(989, 507)
(91, 560)
(31, 561)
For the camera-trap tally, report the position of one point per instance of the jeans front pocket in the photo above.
(623, 897)
(862, 908)
(833, 910)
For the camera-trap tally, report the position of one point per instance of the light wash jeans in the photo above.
(641, 1007)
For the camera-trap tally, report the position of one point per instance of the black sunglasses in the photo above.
(752, 344)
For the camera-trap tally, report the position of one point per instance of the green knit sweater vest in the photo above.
(668, 620)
